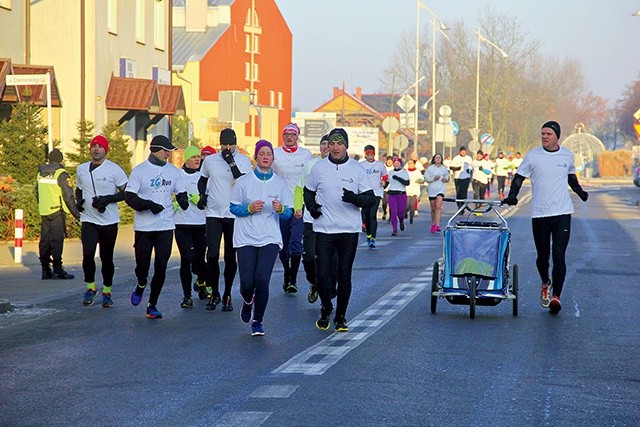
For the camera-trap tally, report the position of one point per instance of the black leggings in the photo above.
(192, 244)
(145, 242)
(255, 274)
(90, 235)
(462, 186)
(370, 218)
(556, 229)
(216, 229)
(501, 181)
(327, 245)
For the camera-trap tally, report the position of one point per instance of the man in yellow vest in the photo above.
(54, 192)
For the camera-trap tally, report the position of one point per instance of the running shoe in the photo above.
(136, 295)
(256, 329)
(401, 226)
(384, 217)
(323, 322)
(226, 303)
(106, 300)
(438, 228)
(152, 312)
(394, 233)
(201, 289)
(212, 303)
(544, 295)
(247, 308)
(372, 243)
(340, 324)
(88, 297)
(555, 306)
(292, 288)
(433, 228)
(208, 290)
(195, 285)
(187, 302)
(312, 296)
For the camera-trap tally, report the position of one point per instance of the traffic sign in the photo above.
(407, 120)
(474, 146)
(456, 128)
(636, 115)
(474, 133)
(390, 124)
(400, 142)
(406, 102)
(486, 139)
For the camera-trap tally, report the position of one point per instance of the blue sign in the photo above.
(456, 128)
(486, 139)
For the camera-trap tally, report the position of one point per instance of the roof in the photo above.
(132, 94)
(190, 46)
(355, 99)
(171, 100)
(381, 102)
(12, 94)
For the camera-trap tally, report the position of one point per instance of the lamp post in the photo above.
(415, 109)
(482, 38)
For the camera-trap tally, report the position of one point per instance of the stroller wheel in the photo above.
(434, 286)
(472, 298)
(514, 287)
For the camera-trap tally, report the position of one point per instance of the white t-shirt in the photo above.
(375, 170)
(158, 184)
(461, 162)
(413, 189)
(289, 165)
(221, 182)
(394, 184)
(516, 162)
(328, 179)
(479, 175)
(388, 168)
(106, 178)
(436, 187)
(261, 228)
(549, 187)
(302, 181)
(503, 166)
(193, 215)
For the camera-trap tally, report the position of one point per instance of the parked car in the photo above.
(636, 176)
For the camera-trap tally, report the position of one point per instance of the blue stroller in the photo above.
(475, 269)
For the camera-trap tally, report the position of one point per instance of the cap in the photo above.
(161, 142)
(101, 141)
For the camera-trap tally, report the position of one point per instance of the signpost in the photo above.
(390, 125)
(36, 80)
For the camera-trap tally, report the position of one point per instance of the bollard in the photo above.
(19, 228)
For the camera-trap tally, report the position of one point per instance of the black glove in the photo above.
(80, 205)
(100, 203)
(583, 195)
(155, 208)
(510, 200)
(202, 203)
(183, 200)
(315, 211)
(228, 157)
(349, 196)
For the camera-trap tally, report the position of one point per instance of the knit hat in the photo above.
(207, 150)
(228, 137)
(462, 148)
(554, 126)
(101, 141)
(55, 156)
(260, 144)
(191, 151)
(398, 159)
(325, 137)
(339, 135)
(161, 142)
(292, 127)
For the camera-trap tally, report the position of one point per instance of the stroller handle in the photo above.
(492, 203)
(476, 206)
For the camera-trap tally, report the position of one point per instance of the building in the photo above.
(238, 46)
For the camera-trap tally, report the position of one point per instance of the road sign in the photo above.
(486, 139)
(406, 102)
(474, 133)
(444, 111)
(407, 120)
(456, 128)
(474, 146)
(400, 142)
(636, 114)
(390, 124)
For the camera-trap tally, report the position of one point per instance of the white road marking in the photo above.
(274, 391)
(243, 419)
(318, 358)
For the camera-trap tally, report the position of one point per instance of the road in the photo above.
(65, 364)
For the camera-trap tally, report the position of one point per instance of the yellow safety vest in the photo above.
(50, 194)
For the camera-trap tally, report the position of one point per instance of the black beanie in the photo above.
(228, 137)
(340, 135)
(55, 156)
(555, 126)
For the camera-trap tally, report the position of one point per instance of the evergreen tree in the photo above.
(83, 152)
(118, 146)
(23, 142)
(181, 133)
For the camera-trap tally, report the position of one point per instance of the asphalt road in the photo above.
(65, 364)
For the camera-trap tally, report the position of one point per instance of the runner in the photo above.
(219, 173)
(258, 200)
(481, 175)
(413, 190)
(377, 173)
(437, 175)
(551, 168)
(149, 192)
(503, 166)
(397, 190)
(337, 222)
(191, 228)
(461, 168)
(103, 182)
(385, 197)
(289, 160)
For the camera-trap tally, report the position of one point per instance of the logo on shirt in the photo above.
(272, 196)
(159, 181)
(349, 180)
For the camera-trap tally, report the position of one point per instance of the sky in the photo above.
(352, 41)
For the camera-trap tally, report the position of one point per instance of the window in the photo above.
(280, 100)
(158, 24)
(112, 16)
(272, 98)
(247, 43)
(255, 72)
(256, 46)
(247, 71)
(140, 21)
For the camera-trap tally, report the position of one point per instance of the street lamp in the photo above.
(482, 38)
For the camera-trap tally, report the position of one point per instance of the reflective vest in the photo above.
(50, 194)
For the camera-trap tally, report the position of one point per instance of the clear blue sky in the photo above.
(352, 41)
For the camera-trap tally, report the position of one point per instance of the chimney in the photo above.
(358, 92)
(336, 91)
(195, 15)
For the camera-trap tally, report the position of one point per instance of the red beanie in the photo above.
(101, 141)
